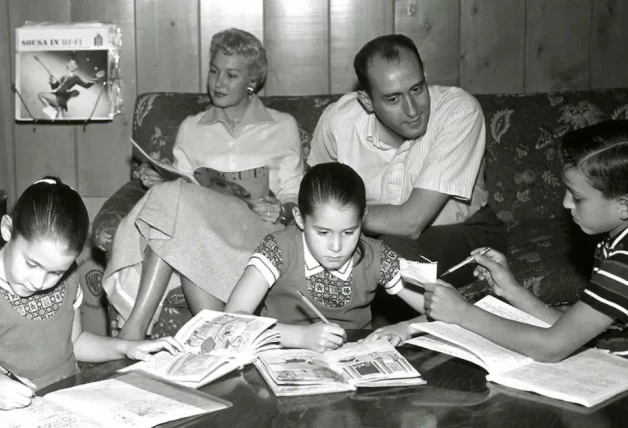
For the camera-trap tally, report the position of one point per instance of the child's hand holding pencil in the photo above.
(322, 336)
(15, 392)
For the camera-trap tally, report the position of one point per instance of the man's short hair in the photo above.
(387, 47)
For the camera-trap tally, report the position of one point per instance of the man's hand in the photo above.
(321, 337)
(493, 268)
(444, 303)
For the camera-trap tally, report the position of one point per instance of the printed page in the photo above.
(226, 334)
(191, 370)
(121, 404)
(497, 359)
(168, 172)
(587, 378)
(248, 185)
(371, 362)
(299, 367)
(444, 347)
(42, 413)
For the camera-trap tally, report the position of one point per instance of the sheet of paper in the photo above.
(42, 413)
(418, 273)
(587, 378)
(444, 347)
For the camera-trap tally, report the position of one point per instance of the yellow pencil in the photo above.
(311, 305)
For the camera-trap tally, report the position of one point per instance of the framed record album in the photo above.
(67, 72)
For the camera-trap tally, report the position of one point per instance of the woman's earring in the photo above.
(250, 90)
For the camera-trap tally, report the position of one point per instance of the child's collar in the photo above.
(612, 241)
(312, 266)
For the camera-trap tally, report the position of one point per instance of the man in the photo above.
(420, 151)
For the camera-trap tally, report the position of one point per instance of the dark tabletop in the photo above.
(456, 395)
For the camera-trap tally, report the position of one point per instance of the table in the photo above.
(456, 395)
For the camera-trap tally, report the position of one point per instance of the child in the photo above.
(40, 324)
(595, 172)
(326, 259)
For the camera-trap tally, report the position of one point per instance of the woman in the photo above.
(203, 236)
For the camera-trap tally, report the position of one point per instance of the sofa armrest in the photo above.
(112, 212)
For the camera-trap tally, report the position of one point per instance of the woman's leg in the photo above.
(154, 280)
(199, 299)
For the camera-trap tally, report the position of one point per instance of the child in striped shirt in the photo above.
(595, 172)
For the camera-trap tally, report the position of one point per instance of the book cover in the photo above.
(67, 72)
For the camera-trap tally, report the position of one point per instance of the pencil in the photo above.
(313, 308)
(10, 374)
(464, 262)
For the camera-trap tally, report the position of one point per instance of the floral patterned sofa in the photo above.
(548, 254)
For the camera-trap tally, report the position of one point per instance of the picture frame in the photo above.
(67, 72)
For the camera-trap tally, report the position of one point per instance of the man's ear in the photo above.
(622, 207)
(365, 100)
(296, 213)
(6, 227)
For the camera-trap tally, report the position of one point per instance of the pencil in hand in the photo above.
(464, 262)
(313, 308)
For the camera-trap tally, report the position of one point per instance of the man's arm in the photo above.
(408, 219)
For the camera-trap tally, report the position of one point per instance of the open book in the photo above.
(248, 185)
(305, 372)
(587, 378)
(130, 400)
(216, 343)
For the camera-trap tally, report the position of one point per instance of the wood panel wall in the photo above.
(485, 46)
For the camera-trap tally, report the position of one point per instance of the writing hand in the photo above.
(493, 268)
(321, 337)
(13, 394)
(444, 303)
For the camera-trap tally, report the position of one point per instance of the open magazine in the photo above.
(248, 185)
(586, 378)
(216, 343)
(305, 372)
(130, 400)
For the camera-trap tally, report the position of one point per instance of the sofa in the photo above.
(547, 252)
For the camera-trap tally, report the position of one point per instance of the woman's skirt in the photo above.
(204, 235)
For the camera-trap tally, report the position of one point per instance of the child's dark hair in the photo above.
(336, 184)
(600, 153)
(51, 209)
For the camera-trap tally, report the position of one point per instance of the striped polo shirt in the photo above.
(448, 159)
(608, 290)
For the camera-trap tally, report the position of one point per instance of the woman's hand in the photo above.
(148, 176)
(493, 268)
(143, 349)
(14, 395)
(396, 334)
(268, 208)
(321, 337)
(444, 303)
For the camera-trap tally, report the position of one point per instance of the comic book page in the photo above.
(215, 343)
(167, 171)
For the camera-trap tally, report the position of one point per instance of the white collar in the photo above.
(312, 266)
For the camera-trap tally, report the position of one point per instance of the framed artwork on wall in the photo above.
(67, 72)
